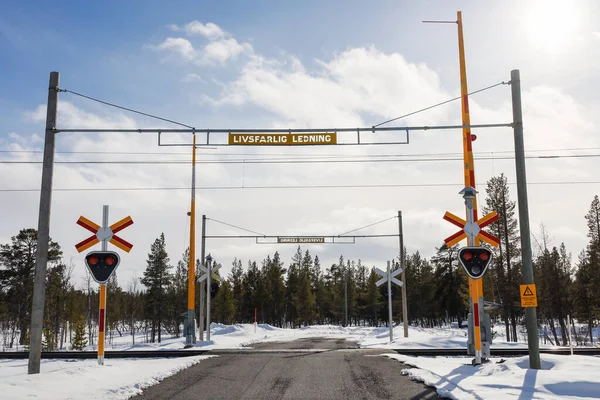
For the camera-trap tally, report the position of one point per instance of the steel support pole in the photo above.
(202, 284)
(43, 233)
(346, 294)
(403, 267)
(389, 277)
(208, 285)
(103, 292)
(530, 312)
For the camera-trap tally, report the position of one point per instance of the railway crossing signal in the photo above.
(475, 260)
(102, 264)
(105, 234)
(472, 228)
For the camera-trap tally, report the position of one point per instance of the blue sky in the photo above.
(261, 64)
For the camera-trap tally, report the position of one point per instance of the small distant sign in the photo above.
(288, 139)
(528, 295)
(300, 240)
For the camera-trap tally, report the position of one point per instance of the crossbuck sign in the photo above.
(389, 277)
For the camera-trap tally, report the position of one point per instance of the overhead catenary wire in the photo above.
(258, 187)
(440, 104)
(298, 161)
(235, 226)
(291, 155)
(124, 108)
(368, 226)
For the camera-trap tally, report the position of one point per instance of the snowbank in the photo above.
(560, 377)
(85, 379)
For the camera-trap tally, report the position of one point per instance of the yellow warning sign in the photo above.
(292, 139)
(528, 295)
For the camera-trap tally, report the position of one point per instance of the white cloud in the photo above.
(180, 46)
(220, 49)
(356, 87)
(193, 78)
(208, 30)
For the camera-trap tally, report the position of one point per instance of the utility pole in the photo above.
(389, 284)
(530, 312)
(346, 294)
(202, 284)
(41, 257)
(190, 331)
(208, 285)
(403, 267)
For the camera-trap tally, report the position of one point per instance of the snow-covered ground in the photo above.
(85, 379)
(240, 335)
(561, 377)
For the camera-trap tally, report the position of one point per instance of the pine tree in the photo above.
(304, 300)
(251, 286)
(57, 287)
(79, 340)
(451, 287)
(224, 304)
(420, 292)
(274, 281)
(373, 299)
(292, 287)
(157, 279)
(588, 271)
(236, 278)
(504, 274)
(17, 267)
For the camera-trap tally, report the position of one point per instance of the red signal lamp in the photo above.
(475, 260)
(102, 264)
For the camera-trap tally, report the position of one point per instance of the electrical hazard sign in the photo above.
(528, 295)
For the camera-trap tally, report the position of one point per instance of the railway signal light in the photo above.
(475, 260)
(102, 264)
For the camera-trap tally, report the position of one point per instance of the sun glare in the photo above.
(551, 24)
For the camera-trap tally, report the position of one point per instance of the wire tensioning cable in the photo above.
(234, 226)
(367, 226)
(125, 108)
(440, 104)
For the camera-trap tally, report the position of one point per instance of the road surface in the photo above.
(314, 368)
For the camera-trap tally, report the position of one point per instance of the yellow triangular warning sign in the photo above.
(528, 292)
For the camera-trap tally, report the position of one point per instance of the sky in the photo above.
(309, 64)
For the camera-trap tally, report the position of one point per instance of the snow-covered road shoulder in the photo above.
(560, 377)
(85, 379)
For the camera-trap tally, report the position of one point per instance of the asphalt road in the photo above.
(318, 369)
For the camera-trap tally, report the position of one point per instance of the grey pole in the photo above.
(403, 266)
(41, 256)
(104, 226)
(208, 278)
(346, 294)
(202, 284)
(530, 312)
(389, 277)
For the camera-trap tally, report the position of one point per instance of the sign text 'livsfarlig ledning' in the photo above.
(291, 139)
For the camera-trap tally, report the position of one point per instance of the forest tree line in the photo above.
(304, 292)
